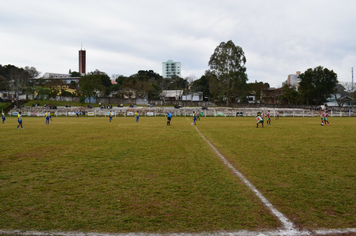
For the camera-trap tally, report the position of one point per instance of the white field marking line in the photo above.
(334, 231)
(220, 233)
(287, 224)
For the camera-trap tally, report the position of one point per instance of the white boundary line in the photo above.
(220, 233)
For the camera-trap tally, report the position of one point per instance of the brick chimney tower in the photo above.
(82, 61)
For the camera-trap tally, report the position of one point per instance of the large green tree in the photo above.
(256, 89)
(202, 85)
(91, 85)
(4, 84)
(145, 83)
(290, 95)
(317, 85)
(18, 80)
(227, 64)
(32, 74)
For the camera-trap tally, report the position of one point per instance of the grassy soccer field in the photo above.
(306, 170)
(92, 175)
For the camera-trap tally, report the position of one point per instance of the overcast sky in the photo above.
(279, 37)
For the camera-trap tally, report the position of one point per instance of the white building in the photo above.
(56, 76)
(197, 96)
(171, 95)
(170, 68)
(293, 80)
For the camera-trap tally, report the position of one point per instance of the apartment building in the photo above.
(171, 68)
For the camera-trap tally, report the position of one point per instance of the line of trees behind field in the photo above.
(225, 82)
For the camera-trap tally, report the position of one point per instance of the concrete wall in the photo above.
(186, 111)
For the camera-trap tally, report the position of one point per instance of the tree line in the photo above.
(225, 82)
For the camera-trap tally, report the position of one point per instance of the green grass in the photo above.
(3, 105)
(87, 174)
(59, 103)
(307, 171)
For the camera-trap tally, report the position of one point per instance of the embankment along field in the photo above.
(91, 175)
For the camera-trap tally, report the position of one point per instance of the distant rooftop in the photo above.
(48, 75)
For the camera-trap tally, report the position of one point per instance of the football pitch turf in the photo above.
(87, 174)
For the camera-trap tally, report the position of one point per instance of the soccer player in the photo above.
(19, 119)
(259, 120)
(3, 116)
(198, 115)
(47, 115)
(268, 118)
(326, 117)
(169, 118)
(194, 118)
(277, 115)
(110, 116)
(263, 117)
(322, 115)
(137, 116)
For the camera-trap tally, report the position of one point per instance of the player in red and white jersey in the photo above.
(259, 120)
(326, 117)
(322, 116)
(268, 118)
(263, 117)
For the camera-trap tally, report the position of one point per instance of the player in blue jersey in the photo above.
(137, 116)
(169, 118)
(110, 116)
(47, 115)
(194, 117)
(19, 119)
(3, 116)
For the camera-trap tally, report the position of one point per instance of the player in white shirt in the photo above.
(259, 120)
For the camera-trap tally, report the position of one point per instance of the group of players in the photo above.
(137, 115)
(260, 118)
(196, 116)
(324, 117)
(19, 119)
